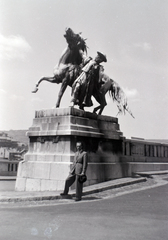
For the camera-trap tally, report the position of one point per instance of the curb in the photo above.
(111, 185)
(7, 178)
(100, 187)
(151, 173)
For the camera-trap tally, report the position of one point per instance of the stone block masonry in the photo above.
(52, 140)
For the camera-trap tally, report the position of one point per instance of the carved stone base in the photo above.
(52, 141)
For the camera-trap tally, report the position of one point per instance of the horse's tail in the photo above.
(120, 98)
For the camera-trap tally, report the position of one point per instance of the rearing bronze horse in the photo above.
(68, 67)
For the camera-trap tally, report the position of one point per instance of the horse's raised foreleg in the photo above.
(48, 79)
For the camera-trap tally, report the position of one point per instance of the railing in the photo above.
(145, 149)
(12, 167)
(8, 168)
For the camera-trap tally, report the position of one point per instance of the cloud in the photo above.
(3, 92)
(13, 47)
(144, 46)
(16, 97)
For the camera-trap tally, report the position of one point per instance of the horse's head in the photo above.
(75, 40)
(73, 53)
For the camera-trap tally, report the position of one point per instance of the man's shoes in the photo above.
(63, 194)
(77, 199)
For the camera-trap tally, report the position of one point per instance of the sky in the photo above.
(131, 33)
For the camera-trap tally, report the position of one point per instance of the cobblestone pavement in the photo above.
(154, 181)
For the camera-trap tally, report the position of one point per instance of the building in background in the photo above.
(11, 152)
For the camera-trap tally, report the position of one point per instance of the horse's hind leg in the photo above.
(48, 79)
(101, 110)
(96, 109)
(62, 90)
(101, 107)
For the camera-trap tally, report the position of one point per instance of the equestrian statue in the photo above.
(86, 77)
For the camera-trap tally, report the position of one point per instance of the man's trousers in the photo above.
(79, 186)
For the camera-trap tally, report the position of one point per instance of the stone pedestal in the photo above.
(52, 141)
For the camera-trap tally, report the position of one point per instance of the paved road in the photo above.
(141, 215)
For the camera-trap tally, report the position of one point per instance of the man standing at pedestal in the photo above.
(78, 171)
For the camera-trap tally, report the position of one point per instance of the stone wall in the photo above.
(52, 140)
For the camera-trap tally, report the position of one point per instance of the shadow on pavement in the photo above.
(90, 198)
